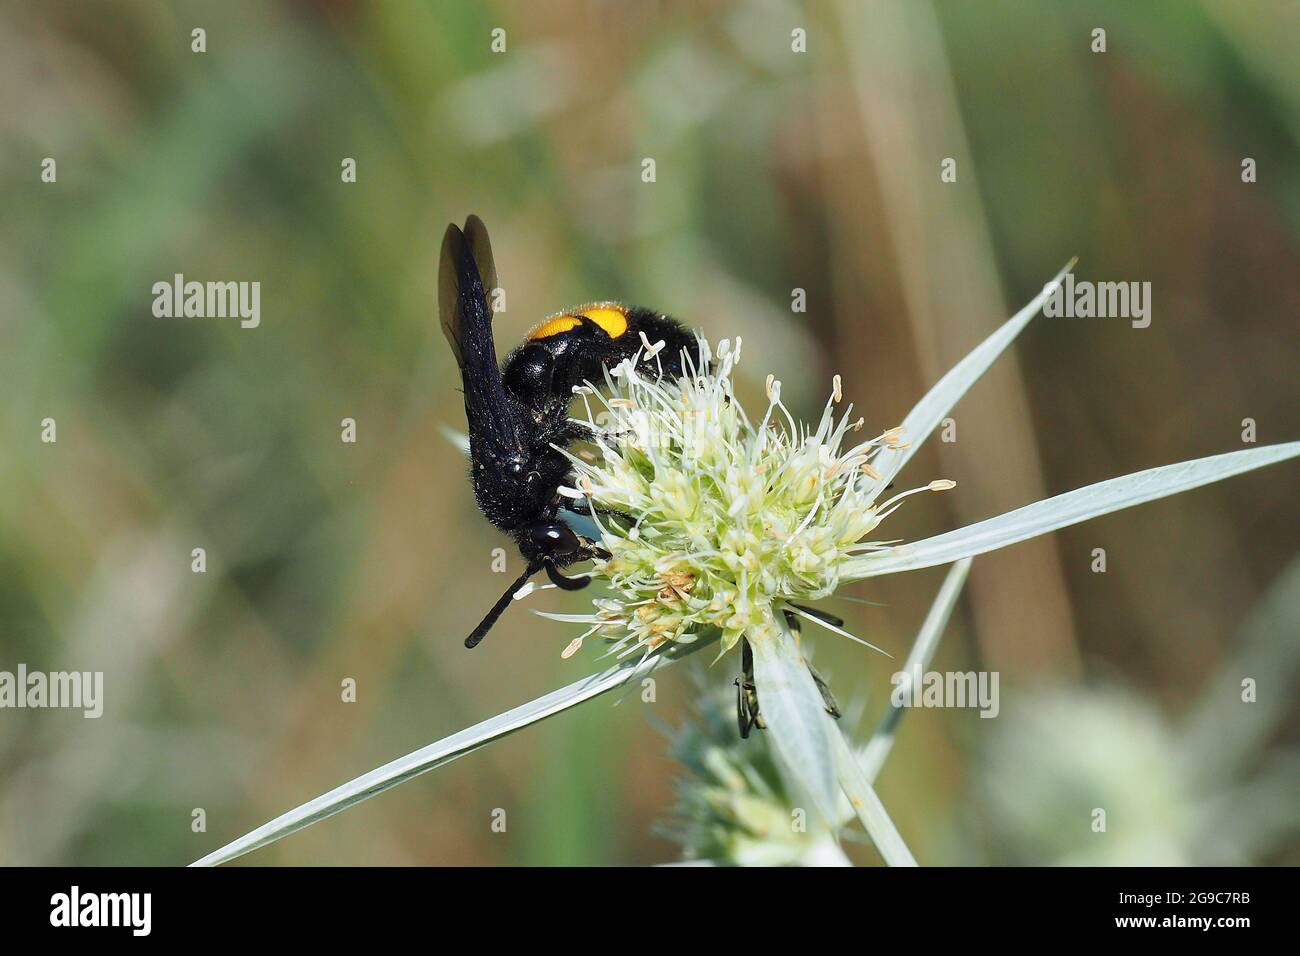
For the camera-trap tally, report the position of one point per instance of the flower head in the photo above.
(714, 520)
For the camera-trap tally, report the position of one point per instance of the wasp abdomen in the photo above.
(575, 347)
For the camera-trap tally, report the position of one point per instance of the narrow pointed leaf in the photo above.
(1070, 508)
(795, 716)
(866, 804)
(939, 401)
(1222, 737)
(877, 749)
(443, 752)
(808, 741)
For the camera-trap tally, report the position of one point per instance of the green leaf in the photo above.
(445, 751)
(1070, 508)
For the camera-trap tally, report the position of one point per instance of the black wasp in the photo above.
(517, 411)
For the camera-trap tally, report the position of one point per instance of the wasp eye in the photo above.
(554, 539)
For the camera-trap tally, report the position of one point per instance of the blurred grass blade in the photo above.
(877, 749)
(1070, 508)
(442, 752)
(1253, 819)
(939, 401)
(1223, 736)
(875, 819)
(795, 715)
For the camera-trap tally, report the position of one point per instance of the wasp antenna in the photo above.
(567, 583)
(503, 602)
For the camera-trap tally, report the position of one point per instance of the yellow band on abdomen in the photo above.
(555, 326)
(610, 318)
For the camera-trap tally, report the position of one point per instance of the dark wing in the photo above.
(464, 266)
(466, 261)
(481, 246)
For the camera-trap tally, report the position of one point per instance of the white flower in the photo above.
(721, 519)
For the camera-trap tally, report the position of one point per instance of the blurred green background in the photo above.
(775, 170)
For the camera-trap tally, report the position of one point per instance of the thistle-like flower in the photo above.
(715, 521)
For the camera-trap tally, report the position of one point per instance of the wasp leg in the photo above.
(747, 715)
(828, 699)
(583, 507)
(743, 722)
(560, 581)
(615, 438)
(571, 430)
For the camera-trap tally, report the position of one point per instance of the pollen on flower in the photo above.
(677, 583)
(713, 520)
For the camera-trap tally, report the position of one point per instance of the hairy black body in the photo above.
(517, 413)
